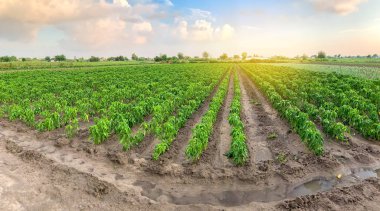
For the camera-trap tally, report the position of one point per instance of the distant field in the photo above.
(359, 71)
(32, 65)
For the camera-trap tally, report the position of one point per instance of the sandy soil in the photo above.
(46, 171)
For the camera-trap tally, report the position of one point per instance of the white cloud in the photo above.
(97, 34)
(181, 30)
(202, 30)
(253, 28)
(87, 23)
(200, 26)
(15, 31)
(28, 17)
(225, 33)
(342, 7)
(82, 26)
(140, 40)
(142, 27)
(198, 14)
(123, 3)
(169, 3)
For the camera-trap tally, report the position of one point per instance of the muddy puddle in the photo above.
(242, 194)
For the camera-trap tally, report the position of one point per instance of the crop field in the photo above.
(368, 72)
(204, 135)
(38, 65)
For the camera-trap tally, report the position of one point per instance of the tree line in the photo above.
(180, 57)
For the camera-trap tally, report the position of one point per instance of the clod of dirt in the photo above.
(336, 199)
(12, 147)
(83, 133)
(115, 158)
(20, 130)
(98, 189)
(263, 166)
(61, 142)
(89, 148)
(362, 158)
(30, 155)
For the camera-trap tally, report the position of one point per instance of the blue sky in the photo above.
(37, 28)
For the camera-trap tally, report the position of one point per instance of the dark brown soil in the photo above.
(362, 196)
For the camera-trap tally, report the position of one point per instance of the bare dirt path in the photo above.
(255, 120)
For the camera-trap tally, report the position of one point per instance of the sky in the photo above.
(83, 28)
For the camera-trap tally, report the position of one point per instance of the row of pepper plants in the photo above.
(202, 131)
(323, 115)
(337, 102)
(168, 131)
(238, 150)
(298, 119)
(111, 100)
(169, 117)
(337, 99)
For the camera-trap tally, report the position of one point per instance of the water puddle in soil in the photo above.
(235, 195)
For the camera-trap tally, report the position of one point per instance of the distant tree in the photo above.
(60, 58)
(205, 55)
(180, 55)
(48, 59)
(161, 58)
(244, 55)
(375, 56)
(134, 57)
(5, 59)
(157, 59)
(369, 56)
(94, 59)
(23, 59)
(164, 57)
(236, 57)
(223, 56)
(8, 59)
(304, 57)
(121, 58)
(13, 58)
(321, 55)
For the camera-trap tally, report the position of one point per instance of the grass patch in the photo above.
(281, 158)
(272, 135)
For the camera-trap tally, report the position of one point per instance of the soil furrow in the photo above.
(255, 120)
(176, 152)
(220, 140)
(271, 126)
